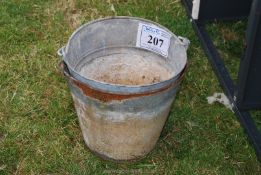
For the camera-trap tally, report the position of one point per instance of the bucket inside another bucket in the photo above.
(125, 66)
(103, 56)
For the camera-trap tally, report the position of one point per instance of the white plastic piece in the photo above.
(195, 9)
(221, 98)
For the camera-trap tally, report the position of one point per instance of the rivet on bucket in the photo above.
(122, 84)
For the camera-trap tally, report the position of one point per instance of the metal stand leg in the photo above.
(226, 82)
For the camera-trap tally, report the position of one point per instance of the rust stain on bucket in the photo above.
(106, 97)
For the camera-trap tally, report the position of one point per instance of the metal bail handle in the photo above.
(65, 70)
(61, 52)
(185, 41)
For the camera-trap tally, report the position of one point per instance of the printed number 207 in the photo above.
(156, 41)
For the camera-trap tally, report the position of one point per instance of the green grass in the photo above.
(39, 130)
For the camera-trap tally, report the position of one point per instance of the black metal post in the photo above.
(225, 80)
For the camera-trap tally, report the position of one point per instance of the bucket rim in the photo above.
(119, 17)
(121, 88)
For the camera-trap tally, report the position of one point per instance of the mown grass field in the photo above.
(39, 130)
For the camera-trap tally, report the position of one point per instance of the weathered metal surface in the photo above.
(122, 94)
(122, 129)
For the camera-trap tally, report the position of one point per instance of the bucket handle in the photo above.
(65, 70)
(184, 41)
(61, 52)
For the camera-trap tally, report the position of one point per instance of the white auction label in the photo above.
(153, 38)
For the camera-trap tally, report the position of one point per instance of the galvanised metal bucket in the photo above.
(123, 74)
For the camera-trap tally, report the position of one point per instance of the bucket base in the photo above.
(104, 157)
